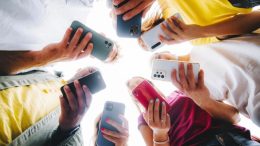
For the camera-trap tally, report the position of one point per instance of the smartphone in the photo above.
(93, 81)
(145, 92)
(151, 37)
(102, 46)
(162, 69)
(130, 28)
(112, 110)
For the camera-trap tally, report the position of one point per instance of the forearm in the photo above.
(239, 24)
(220, 110)
(14, 61)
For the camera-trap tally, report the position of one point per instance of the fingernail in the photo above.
(107, 120)
(157, 100)
(103, 129)
(151, 101)
(90, 34)
(125, 18)
(163, 103)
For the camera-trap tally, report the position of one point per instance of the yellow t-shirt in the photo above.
(201, 12)
(21, 107)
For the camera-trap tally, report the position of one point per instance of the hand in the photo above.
(73, 108)
(133, 6)
(69, 49)
(197, 91)
(159, 123)
(176, 31)
(118, 138)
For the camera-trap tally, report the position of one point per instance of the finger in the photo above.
(87, 51)
(118, 126)
(110, 138)
(170, 33)
(141, 7)
(201, 79)
(182, 76)
(64, 105)
(150, 113)
(168, 121)
(127, 6)
(113, 134)
(125, 121)
(66, 37)
(190, 76)
(117, 2)
(83, 44)
(180, 23)
(156, 112)
(88, 95)
(163, 114)
(175, 80)
(75, 39)
(71, 99)
(167, 41)
(81, 97)
(146, 117)
(173, 26)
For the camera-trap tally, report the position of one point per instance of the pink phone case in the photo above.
(144, 92)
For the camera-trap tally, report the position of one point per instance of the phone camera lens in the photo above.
(109, 44)
(154, 75)
(106, 42)
(162, 76)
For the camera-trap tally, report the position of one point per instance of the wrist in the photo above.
(160, 137)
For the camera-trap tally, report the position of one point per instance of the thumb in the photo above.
(145, 116)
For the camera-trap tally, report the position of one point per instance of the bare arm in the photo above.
(177, 31)
(11, 62)
(199, 93)
(147, 134)
(239, 24)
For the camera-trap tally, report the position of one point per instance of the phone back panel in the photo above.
(162, 69)
(151, 37)
(144, 92)
(94, 82)
(130, 28)
(102, 46)
(112, 110)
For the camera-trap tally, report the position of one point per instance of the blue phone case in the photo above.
(102, 46)
(112, 110)
(130, 28)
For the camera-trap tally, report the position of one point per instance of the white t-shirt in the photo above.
(32, 24)
(232, 72)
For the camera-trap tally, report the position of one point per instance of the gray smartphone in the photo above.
(102, 46)
(112, 110)
(130, 28)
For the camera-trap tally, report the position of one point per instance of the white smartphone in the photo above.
(162, 69)
(151, 37)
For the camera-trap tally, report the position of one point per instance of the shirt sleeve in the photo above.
(167, 10)
(141, 121)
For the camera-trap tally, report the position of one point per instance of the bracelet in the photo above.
(161, 142)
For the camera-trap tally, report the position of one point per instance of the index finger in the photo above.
(118, 126)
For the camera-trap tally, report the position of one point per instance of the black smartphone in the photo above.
(112, 110)
(102, 46)
(130, 28)
(93, 81)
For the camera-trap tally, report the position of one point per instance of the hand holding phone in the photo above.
(162, 69)
(102, 46)
(111, 121)
(128, 28)
(151, 38)
(93, 81)
(145, 92)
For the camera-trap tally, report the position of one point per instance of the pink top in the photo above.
(190, 125)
